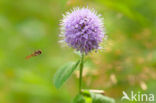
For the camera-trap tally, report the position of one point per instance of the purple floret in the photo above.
(82, 29)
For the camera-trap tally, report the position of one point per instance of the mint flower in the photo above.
(82, 29)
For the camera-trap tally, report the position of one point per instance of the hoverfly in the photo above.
(36, 53)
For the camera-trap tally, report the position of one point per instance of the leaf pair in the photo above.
(64, 73)
(88, 97)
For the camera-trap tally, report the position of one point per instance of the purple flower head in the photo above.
(82, 29)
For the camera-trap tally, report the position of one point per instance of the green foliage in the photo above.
(87, 97)
(98, 98)
(64, 73)
(79, 99)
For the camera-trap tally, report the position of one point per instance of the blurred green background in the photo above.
(127, 63)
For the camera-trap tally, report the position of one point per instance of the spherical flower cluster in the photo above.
(82, 29)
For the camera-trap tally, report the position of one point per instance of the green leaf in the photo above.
(86, 94)
(79, 99)
(64, 73)
(85, 97)
(98, 98)
(89, 97)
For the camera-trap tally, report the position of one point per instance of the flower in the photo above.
(82, 29)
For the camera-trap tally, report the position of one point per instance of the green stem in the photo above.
(81, 71)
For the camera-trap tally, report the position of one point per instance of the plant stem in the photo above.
(81, 71)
